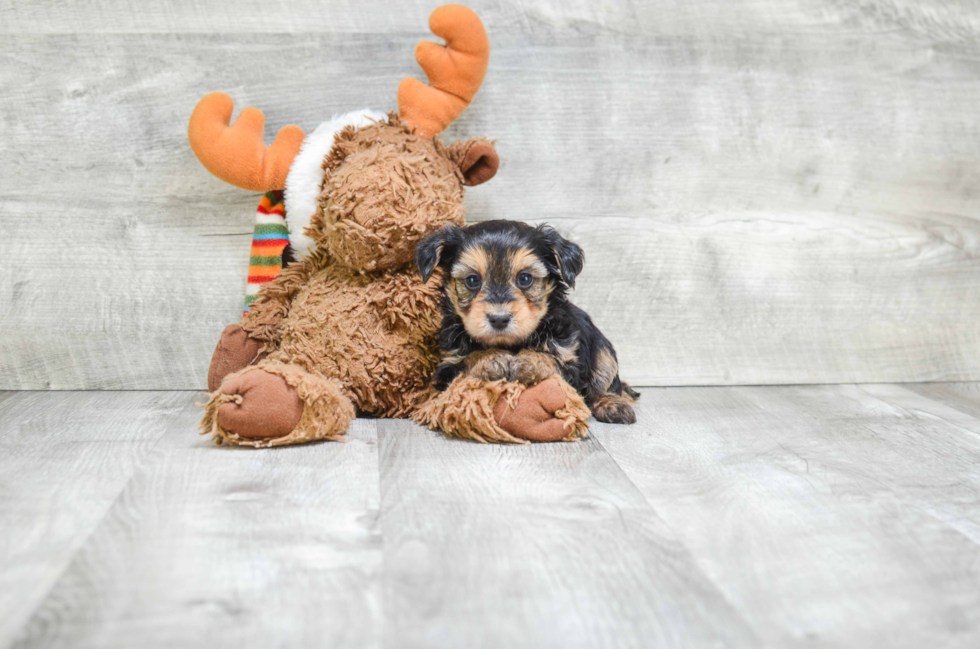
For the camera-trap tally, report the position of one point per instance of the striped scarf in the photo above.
(268, 240)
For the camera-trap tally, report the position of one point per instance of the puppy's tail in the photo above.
(630, 392)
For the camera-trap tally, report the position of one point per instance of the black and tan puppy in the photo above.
(506, 313)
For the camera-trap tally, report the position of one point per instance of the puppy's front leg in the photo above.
(527, 366)
(492, 365)
(534, 367)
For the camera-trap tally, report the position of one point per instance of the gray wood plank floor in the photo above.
(828, 516)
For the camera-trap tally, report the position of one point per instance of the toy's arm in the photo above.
(258, 333)
(265, 314)
(503, 411)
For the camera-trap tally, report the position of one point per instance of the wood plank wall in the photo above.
(767, 191)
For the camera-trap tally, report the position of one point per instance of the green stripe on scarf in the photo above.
(265, 261)
(270, 228)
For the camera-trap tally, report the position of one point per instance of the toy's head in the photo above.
(385, 188)
(369, 186)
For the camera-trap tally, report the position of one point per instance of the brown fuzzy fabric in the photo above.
(355, 312)
(271, 306)
(465, 410)
(469, 409)
(375, 333)
(384, 189)
(353, 326)
(326, 411)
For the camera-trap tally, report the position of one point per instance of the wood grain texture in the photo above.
(948, 444)
(64, 458)
(949, 20)
(829, 516)
(767, 192)
(219, 547)
(540, 546)
(962, 396)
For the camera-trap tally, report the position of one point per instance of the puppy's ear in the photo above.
(564, 259)
(437, 249)
(476, 158)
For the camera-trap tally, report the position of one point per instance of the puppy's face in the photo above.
(499, 291)
(501, 275)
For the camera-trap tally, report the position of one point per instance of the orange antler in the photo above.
(238, 154)
(455, 71)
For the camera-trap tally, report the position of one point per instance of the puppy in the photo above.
(506, 313)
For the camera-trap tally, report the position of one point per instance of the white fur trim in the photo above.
(305, 176)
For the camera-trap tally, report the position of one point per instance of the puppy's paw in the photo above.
(493, 365)
(533, 367)
(614, 409)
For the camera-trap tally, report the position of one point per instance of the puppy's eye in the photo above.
(472, 281)
(524, 280)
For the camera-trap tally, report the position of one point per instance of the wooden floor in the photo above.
(742, 516)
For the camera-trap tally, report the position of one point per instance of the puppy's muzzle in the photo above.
(499, 320)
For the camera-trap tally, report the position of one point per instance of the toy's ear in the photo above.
(438, 249)
(564, 259)
(477, 160)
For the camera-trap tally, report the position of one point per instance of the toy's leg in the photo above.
(235, 351)
(273, 404)
(500, 411)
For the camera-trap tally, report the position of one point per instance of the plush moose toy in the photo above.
(350, 326)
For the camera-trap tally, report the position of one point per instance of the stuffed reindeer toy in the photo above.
(350, 326)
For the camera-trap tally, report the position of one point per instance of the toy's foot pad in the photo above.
(536, 416)
(265, 407)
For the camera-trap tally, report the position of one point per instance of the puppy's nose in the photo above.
(499, 320)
